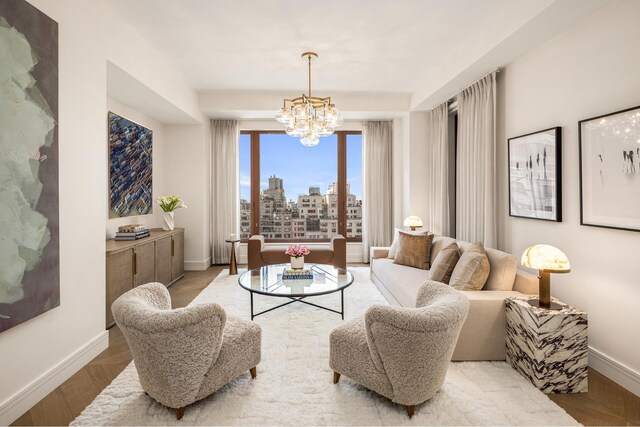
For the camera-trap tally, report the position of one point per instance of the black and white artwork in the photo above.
(535, 176)
(610, 170)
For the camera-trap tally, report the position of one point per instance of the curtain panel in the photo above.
(225, 189)
(438, 164)
(476, 163)
(377, 150)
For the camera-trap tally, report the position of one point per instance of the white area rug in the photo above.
(294, 383)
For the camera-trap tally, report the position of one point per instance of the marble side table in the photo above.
(549, 347)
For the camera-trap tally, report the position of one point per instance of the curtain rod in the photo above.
(452, 99)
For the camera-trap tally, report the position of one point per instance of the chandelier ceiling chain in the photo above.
(309, 117)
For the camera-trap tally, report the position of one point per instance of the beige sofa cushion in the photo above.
(400, 281)
(445, 262)
(502, 271)
(472, 270)
(396, 237)
(440, 242)
(414, 250)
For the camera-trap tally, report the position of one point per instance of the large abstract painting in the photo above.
(130, 168)
(535, 175)
(610, 170)
(29, 236)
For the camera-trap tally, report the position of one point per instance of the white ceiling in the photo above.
(364, 45)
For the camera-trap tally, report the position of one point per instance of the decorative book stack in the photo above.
(296, 274)
(132, 232)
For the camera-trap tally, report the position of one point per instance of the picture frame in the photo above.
(609, 152)
(535, 175)
(130, 167)
(29, 153)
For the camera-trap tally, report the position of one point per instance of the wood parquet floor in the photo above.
(606, 403)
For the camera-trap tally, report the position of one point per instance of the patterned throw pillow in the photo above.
(444, 263)
(413, 250)
(472, 270)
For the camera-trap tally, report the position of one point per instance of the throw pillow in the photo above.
(444, 263)
(413, 250)
(472, 270)
(396, 236)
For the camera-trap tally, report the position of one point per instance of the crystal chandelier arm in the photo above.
(309, 76)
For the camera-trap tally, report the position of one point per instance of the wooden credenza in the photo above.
(157, 258)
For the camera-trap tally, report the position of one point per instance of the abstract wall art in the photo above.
(130, 168)
(29, 231)
(610, 170)
(535, 175)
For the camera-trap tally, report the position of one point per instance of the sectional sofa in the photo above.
(483, 334)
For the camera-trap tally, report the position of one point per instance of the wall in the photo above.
(53, 339)
(40, 354)
(186, 172)
(589, 70)
(154, 219)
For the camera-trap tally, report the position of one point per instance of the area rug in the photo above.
(294, 383)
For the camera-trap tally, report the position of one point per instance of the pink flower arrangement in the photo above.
(297, 251)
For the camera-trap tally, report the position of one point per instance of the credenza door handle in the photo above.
(173, 247)
(135, 263)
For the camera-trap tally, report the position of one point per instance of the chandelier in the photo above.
(309, 117)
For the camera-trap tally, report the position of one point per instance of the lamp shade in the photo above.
(546, 257)
(413, 221)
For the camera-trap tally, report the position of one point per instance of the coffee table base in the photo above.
(300, 299)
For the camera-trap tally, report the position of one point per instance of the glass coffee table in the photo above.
(267, 280)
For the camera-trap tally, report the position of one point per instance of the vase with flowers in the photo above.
(297, 254)
(169, 204)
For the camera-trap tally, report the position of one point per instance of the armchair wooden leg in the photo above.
(253, 372)
(336, 377)
(179, 413)
(410, 410)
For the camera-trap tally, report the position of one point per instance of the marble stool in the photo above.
(549, 347)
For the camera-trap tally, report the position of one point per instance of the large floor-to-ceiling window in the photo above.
(297, 193)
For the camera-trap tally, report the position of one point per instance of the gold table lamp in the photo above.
(546, 259)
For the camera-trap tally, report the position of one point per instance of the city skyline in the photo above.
(298, 166)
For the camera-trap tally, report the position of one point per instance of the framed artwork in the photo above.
(610, 170)
(29, 196)
(130, 168)
(535, 175)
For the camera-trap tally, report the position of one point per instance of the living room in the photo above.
(329, 182)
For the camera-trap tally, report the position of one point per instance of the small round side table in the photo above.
(233, 265)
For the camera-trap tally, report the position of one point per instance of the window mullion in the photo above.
(342, 183)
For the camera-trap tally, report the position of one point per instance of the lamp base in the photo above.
(551, 306)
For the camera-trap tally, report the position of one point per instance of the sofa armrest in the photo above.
(526, 283)
(338, 241)
(339, 248)
(257, 240)
(378, 252)
(254, 251)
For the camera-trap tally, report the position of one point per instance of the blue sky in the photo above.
(301, 167)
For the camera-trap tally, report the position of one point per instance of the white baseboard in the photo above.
(197, 265)
(614, 370)
(12, 408)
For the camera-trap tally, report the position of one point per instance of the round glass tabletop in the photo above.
(268, 280)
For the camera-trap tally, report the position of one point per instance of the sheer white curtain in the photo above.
(377, 149)
(476, 163)
(225, 136)
(438, 164)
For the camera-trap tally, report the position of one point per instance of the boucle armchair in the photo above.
(184, 355)
(401, 353)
